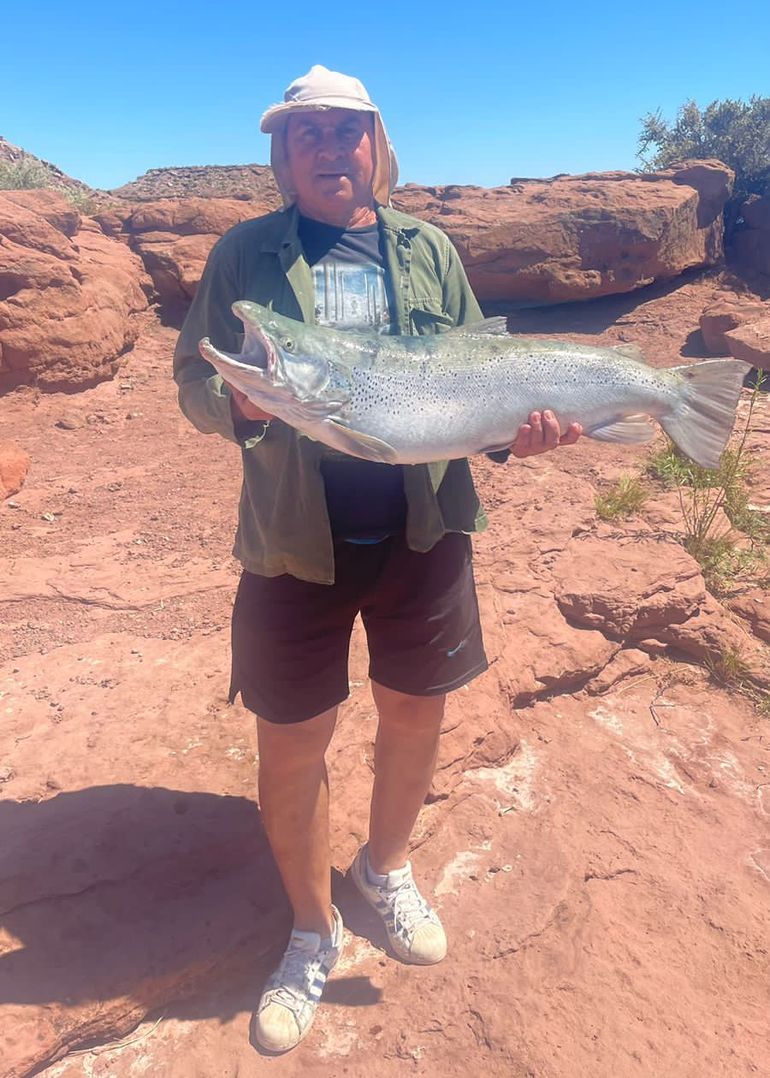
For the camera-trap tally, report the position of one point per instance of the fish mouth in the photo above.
(256, 341)
(255, 334)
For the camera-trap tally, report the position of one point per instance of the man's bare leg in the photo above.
(405, 755)
(294, 799)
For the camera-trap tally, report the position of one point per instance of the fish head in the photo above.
(289, 351)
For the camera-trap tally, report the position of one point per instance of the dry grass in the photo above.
(622, 500)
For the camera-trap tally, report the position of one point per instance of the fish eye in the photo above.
(288, 344)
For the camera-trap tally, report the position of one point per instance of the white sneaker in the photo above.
(413, 927)
(292, 994)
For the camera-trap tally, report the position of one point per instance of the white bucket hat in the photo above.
(324, 89)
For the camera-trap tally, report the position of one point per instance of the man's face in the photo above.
(331, 161)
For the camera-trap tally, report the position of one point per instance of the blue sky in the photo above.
(471, 93)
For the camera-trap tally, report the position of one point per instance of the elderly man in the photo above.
(323, 537)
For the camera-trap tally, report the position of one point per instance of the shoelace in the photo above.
(296, 972)
(407, 903)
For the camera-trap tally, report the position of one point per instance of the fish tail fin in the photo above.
(703, 419)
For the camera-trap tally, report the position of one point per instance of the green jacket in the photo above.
(283, 525)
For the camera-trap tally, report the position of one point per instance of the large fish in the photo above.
(410, 400)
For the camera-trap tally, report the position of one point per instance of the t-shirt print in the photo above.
(350, 295)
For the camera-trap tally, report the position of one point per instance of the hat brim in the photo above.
(277, 115)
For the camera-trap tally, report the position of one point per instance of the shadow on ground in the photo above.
(116, 901)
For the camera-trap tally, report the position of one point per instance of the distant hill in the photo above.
(11, 155)
(203, 181)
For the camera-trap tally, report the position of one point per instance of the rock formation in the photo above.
(537, 241)
(173, 237)
(738, 325)
(579, 237)
(55, 178)
(250, 182)
(68, 294)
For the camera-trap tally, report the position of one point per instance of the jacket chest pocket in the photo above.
(427, 316)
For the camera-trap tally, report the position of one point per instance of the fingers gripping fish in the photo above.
(411, 400)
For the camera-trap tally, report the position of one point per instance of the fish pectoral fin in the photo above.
(497, 325)
(496, 448)
(626, 430)
(364, 446)
(319, 409)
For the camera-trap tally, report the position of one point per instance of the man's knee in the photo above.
(401, 709)
(290, 745)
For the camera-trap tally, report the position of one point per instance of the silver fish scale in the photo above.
(410, 402)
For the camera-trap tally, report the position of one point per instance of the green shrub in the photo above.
(736, 132)
(24, 174)
(28, 174)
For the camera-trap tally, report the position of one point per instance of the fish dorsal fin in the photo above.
(497, 325)
(629, 351)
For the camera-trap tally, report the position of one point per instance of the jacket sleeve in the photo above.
(462, 305)
(459, 301)
(203, 395)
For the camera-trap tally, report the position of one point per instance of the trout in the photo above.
(412, 400)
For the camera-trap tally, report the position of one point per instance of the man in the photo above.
(323, 537)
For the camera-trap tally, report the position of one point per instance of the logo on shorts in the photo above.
(459, 647)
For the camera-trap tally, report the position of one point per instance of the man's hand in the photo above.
(242, 408)
(542, 433)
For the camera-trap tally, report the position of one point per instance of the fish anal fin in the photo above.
(364, 446)
(487, 326)
(625, 430)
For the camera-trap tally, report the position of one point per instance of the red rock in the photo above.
(68, 294)
(174, 237)
(712, 635)
(568, 238)
(601, 863)
(724, 314)
(50, 205)
(620, 589)
(578, 237)
(754, 607)
(14, 465)
(751, 342)
(627, 663)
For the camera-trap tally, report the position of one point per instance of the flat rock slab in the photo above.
(579, 237)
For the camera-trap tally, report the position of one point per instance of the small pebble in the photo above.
(69, 422)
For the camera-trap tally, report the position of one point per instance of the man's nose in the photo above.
(331, 145)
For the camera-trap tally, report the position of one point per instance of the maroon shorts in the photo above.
(291, 638)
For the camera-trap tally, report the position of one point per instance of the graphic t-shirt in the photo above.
(365, 500)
